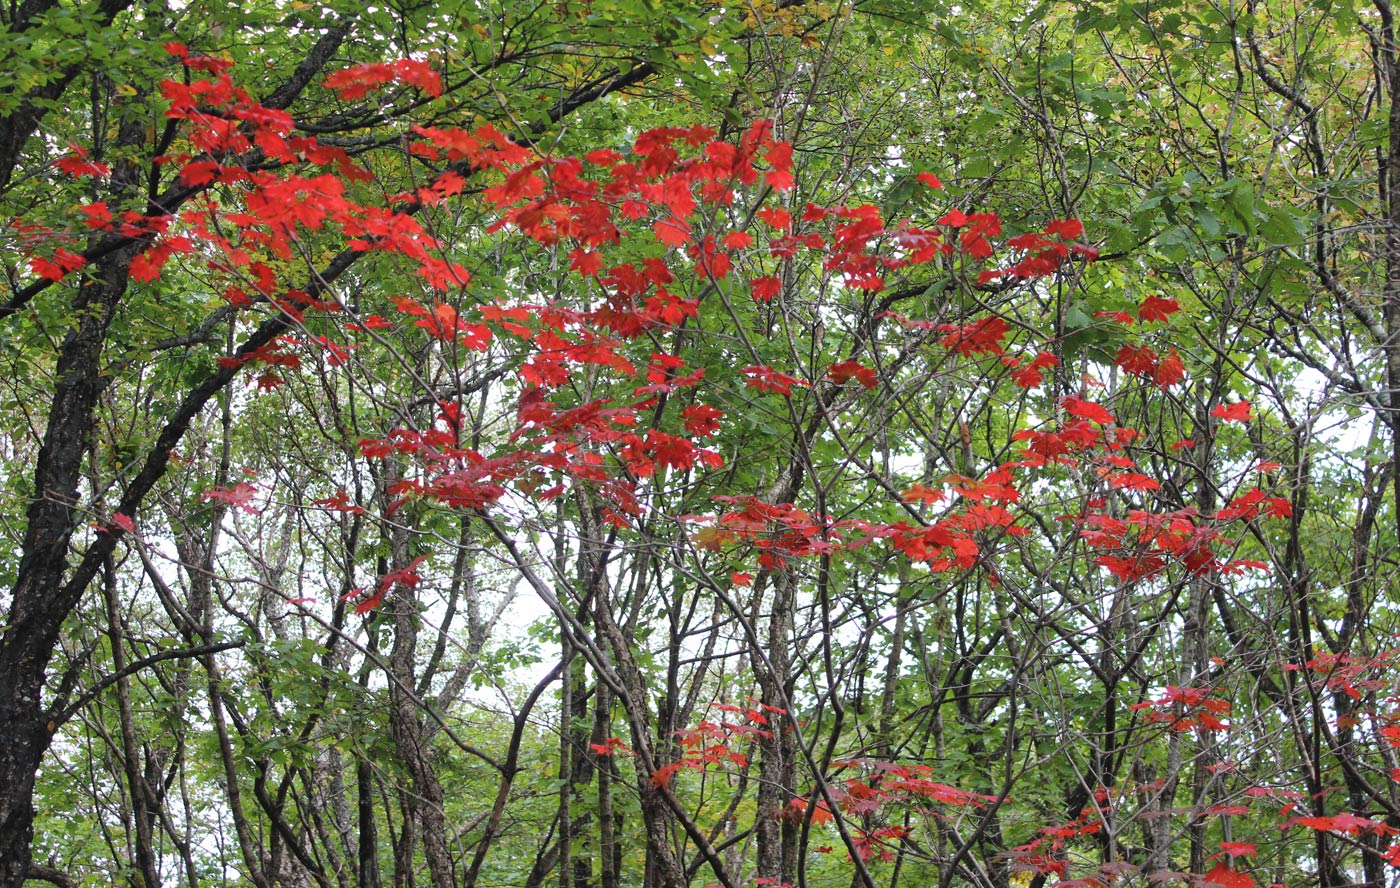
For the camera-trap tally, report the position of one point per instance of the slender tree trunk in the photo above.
(426, 800)
(581, 770)
(368, 839)
(776, 833)
(1390, 53)
(608, 847)
(566, 755)
(142, 817)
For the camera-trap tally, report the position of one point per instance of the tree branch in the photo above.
(135, 666)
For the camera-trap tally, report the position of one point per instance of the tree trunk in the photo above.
(776, 832)
(426, 799)
(1391, 301)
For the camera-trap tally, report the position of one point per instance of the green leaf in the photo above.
(1240, 200)
(1280, 227)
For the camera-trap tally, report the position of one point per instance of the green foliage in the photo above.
(743, 635)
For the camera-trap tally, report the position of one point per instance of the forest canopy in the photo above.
(778, 443)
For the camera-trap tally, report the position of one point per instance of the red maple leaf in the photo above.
(661, 777)
(797, 811)
(1169, 370)
(954, 217)
(340, 502)
(58, 265)
(356, 82)
(366, 603)
(586, 262)
(1030, 375)
(1132, 569)
(779, 157)
(1138, 360)
(1221, 874)
(77, 164)
(239, 495)
(1132, 481)
(609, 746)
(1068, 229)
(919, 493)
(766, 379)
(1078, 407)
(1157, 308)
(1245, 506)
(406, 577)
(765, 288)
(780, 180)
(672, 231)
(702, 420)
(777, 217)
(982, 336)
(146, 267)
(96, 214)
(845, 371)
(1237, 412)
(1344, 822)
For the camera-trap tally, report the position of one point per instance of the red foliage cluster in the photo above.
(1183, 709)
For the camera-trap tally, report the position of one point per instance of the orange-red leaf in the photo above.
(1225, 877)
(661, 777)
(1082, 409)
(1157, 308)
(1237, 412)
(845, 371)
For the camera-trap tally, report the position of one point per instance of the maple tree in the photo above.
(876, 542)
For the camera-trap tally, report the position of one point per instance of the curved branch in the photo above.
(59, 718)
